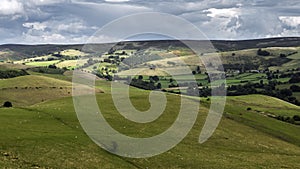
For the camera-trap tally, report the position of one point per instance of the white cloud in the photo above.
(102, 39)
(57, 31)
(75, 27)
(292, 21)
(35, 25)
(225, 12)
(223, 23)
(44, 38)
(11, 7)
(117, 0)
(71, 26)
(44, 2)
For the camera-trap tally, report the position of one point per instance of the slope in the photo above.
(48, 135)
(32, 89)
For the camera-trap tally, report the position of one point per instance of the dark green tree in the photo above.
(7, 104)
(158, 86)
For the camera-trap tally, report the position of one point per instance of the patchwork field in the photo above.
(42, 63)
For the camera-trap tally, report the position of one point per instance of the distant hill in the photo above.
(17, 52)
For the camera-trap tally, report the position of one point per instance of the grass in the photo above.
(32, 81)
(37, 58)
(32, 89)
(48, 135)
(9, 66)
(297, 95)
(72, 53)
(265, 104)
(51, 137)
(67, 76)
(143, 71)
(42, 129)
(43, 63)
(28, 90)
(70, 64)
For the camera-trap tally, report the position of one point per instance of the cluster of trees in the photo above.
(183, 84)
(42, 59)
(270, 87)
(266, 89)
(205, 92)
(295, 88)
(261, 52)
(106, 76)
(140, 59)
(113, 59)
(241, 67)
(90, 62)
(51, 69)
(293, 120)
(59, 55)
(295, 79)
(10, 73)
(147, 85)
(106, 73)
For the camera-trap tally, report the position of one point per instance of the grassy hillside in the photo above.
(18, 52)
(48, 135)
(5, 66)
(32, 89)
(259, 117)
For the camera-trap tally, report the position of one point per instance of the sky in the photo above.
(74, 21)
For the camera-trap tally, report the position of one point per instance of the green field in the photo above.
(32, 89)
(71, 64)
(48, 135)
(42, 63)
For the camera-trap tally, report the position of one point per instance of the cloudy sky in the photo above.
(74, 21)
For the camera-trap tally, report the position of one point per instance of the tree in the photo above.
(140, 77)
(286, 92)
(158, 86)
(111, 51)
(261, 82)
(295, 79)
(261, 52)
(7, 104)
(198, 69)
(156, 78)
(295, 88)
(282, 55)
(296, 118)
(52, 67)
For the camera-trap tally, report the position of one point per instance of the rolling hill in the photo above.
(32, 89)
(42, 130)
(48, 135)
(18, 52)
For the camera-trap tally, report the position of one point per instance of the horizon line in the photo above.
(149, 40)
